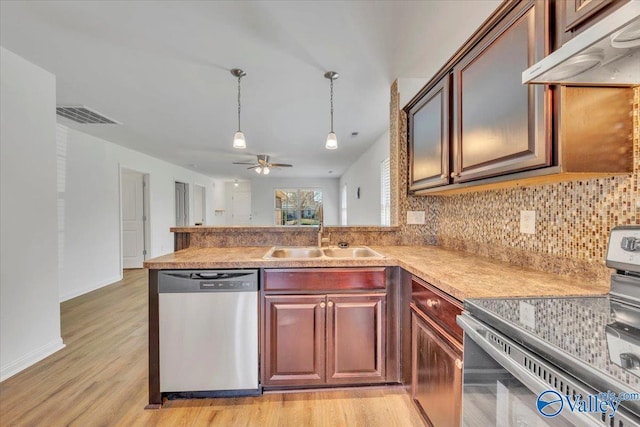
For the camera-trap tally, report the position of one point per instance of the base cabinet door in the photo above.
(294, 346)
(355, 338)
(436, 385)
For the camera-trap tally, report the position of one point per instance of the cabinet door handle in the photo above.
(458, 363)
(433, 303)
(443, 176)
(455, 174)
(322, 304)
(330, 303)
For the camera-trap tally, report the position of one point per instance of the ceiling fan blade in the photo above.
(243, 163)
(253, 167)
(280, 165)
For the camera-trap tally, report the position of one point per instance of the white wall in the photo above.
(91, 254)
(29, 303)
(365, 173)
(263, 197)
(409, 87)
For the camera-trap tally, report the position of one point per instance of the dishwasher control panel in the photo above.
(221, 285)
(185, 281)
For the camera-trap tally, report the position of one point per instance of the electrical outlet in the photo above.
(415, 217)
(527, 315)
(528, 222)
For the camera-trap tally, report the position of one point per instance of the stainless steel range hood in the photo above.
(606, 54)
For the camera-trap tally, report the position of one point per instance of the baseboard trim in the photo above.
(83, 291)
(30, 359)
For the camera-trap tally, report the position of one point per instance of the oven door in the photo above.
(500, 391)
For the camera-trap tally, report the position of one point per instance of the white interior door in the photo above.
(182, 204)
(132, 219)
(241, 208)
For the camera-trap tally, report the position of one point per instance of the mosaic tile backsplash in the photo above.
(573, 219)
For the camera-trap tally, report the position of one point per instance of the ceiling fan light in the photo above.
(258, 170)
(239, 141)
(266, 170)
(332, 141)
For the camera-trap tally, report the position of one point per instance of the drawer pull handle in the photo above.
(323, 304)
(330, 303)
(458, 363)
(431, 303)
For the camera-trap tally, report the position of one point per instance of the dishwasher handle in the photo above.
(213, 275)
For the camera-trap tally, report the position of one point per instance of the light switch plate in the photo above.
(527, 315)
(528, 222)
(415, 217)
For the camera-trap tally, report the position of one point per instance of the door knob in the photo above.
(322, 304)
(330, 303)
(458, 363)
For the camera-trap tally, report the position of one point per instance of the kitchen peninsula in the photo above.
(452, 274)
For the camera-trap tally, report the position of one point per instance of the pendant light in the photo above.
(238, 139)
(332, 140)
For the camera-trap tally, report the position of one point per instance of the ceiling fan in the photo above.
(262, 165)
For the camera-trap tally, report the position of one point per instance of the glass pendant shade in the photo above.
(258, 170)
(332, 141)
(266, 170)
(239, 141)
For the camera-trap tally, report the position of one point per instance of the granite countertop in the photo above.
(460, 274)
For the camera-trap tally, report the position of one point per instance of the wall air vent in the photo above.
(84, 115)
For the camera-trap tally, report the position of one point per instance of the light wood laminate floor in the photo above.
(100, 379)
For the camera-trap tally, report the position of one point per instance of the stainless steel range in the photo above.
(558, 361)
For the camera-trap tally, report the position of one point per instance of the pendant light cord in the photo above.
(239, 77)
(331, 99)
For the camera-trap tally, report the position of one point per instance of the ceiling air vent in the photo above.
(84, 115)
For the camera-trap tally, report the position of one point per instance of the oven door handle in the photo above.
(512, 357)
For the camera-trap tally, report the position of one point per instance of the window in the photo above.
(385, 193)
(298, 206)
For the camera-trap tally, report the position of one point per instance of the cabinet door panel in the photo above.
(355, 338)
(578, 11)
(429, 139)
(294, 340)
(500, 123)
(436, 384)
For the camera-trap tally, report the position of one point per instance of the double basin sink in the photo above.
(314, 252)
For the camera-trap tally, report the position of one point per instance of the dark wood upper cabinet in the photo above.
(429, 138)
(499, 123)
(502, 133)
(574, 16)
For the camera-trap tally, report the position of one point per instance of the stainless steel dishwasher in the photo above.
(208, 332)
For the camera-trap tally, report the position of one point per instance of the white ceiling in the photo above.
(162, 69)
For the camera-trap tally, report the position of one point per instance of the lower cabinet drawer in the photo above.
(324, 279)
(440, 307)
